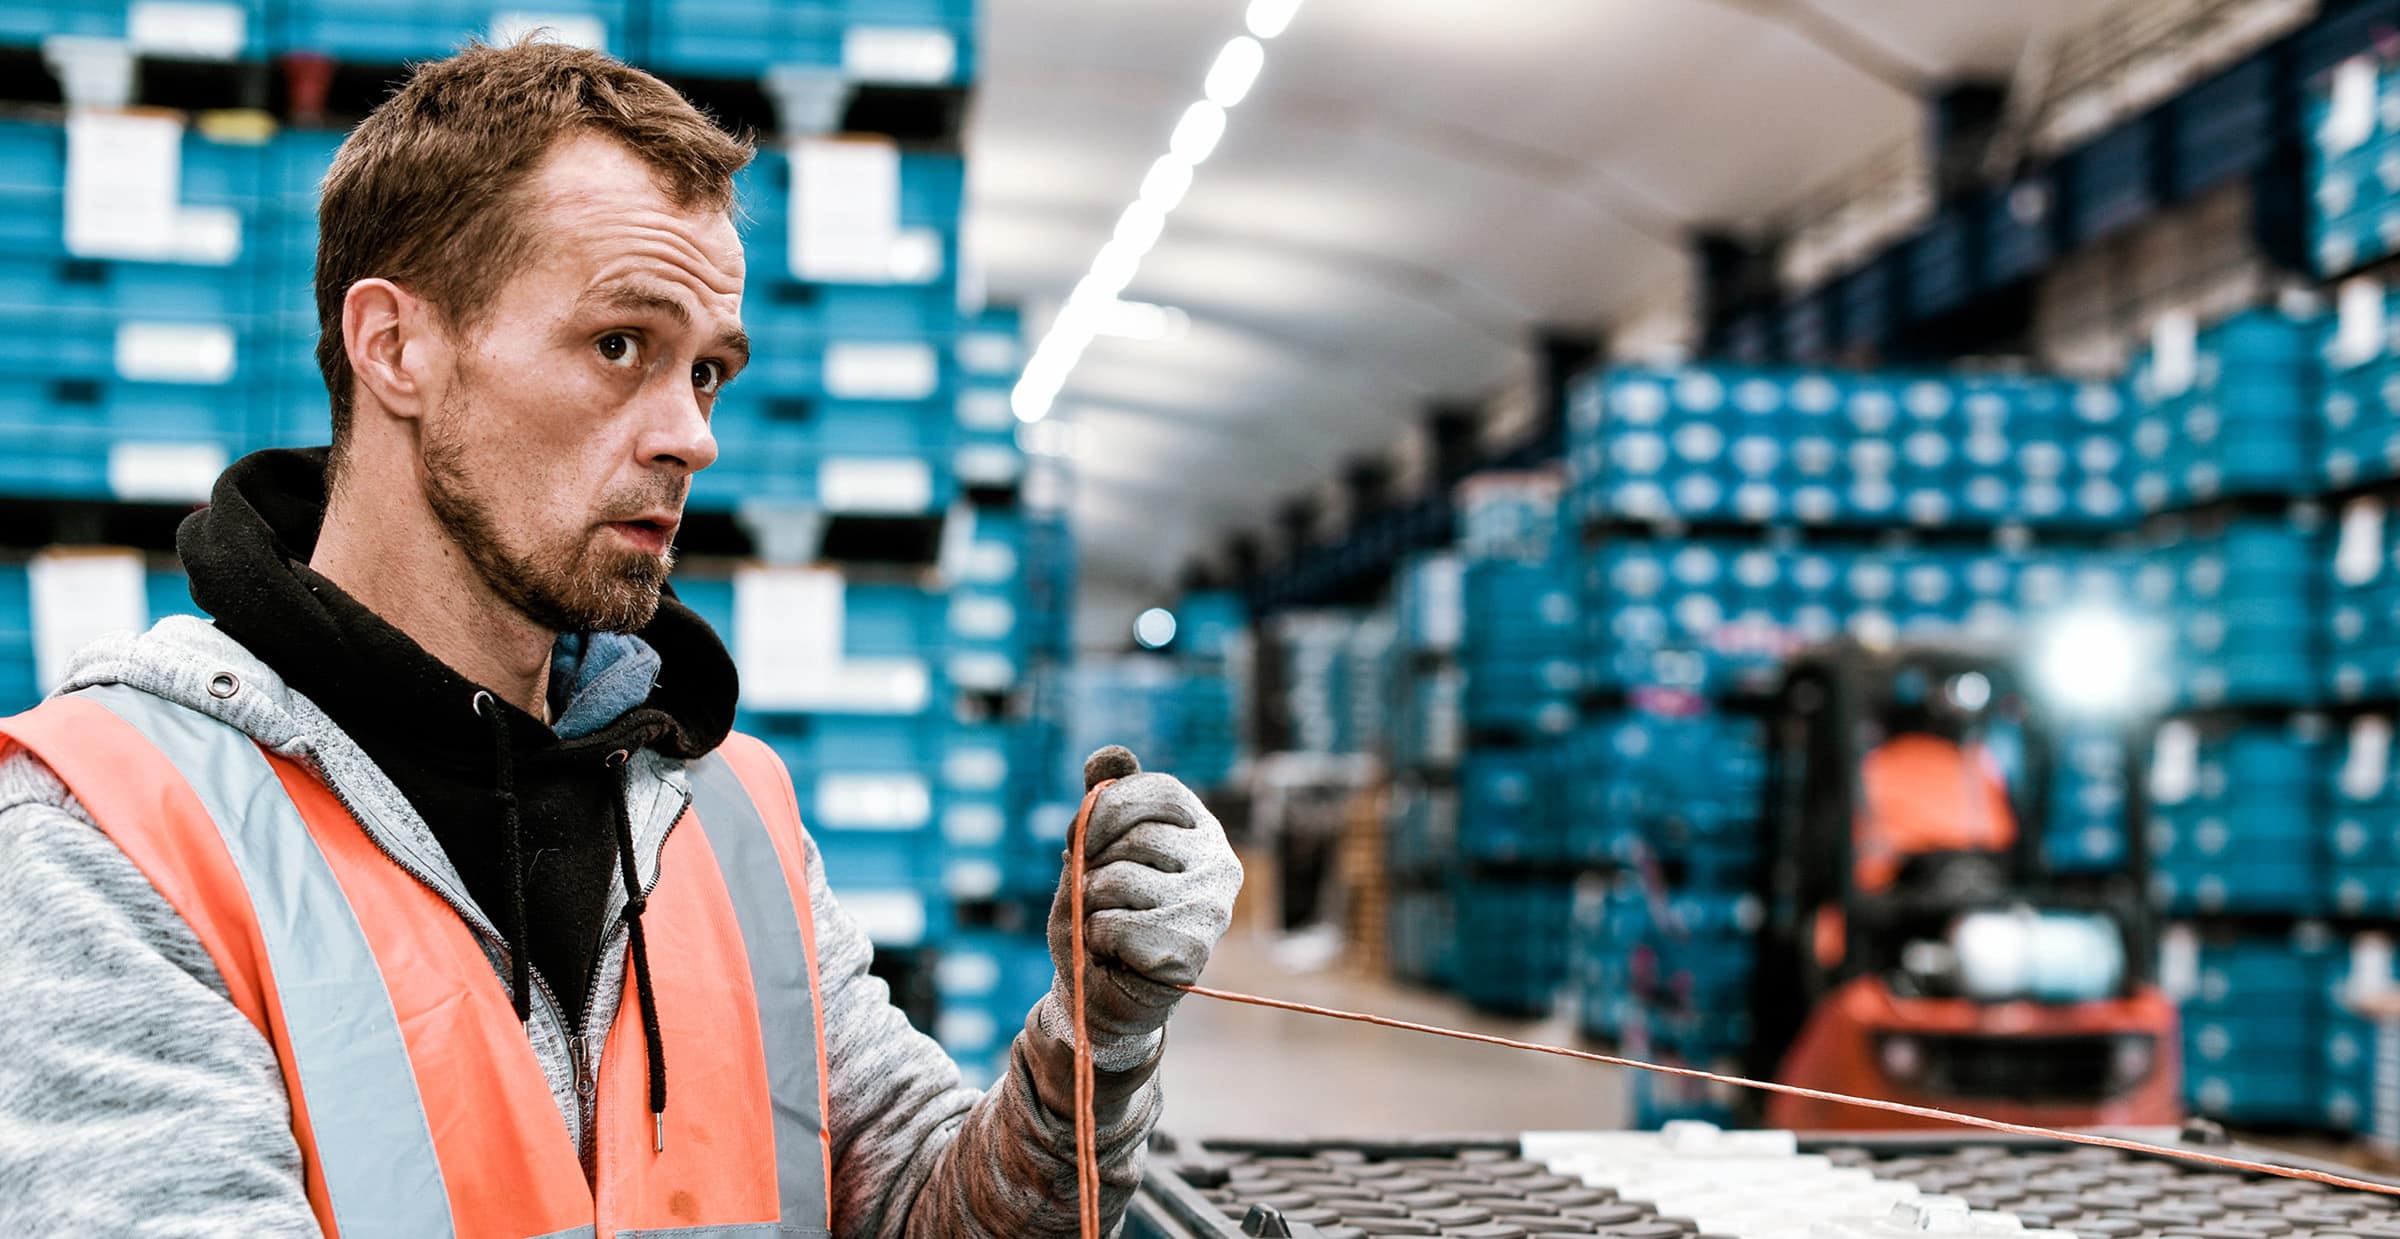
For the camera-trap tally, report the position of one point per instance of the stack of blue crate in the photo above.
(138, 337)
(2352, 118)
(905, 42)
(390, 32)
(2088, 806)
(986, 982)
(1510, 941)
(2238, 817)
(1425, 735)
(1611, 915)
(2229, 410)
(2359, 391)
(2360, 1065)
(2364, 840)
(857, 404)
(1519, 651)
(1712, 444)
(2253, 1024)
(991, 354)
(2362, 618)
(1693, 974)
(2247, 594)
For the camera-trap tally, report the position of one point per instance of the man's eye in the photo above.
(619, 349)
(708, 376)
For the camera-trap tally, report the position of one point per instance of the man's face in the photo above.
(561, 450)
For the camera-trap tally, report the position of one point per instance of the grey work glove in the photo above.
(1158, 894)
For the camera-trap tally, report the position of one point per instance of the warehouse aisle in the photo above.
(1246, 1071)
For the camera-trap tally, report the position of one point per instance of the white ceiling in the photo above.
(1410, 189)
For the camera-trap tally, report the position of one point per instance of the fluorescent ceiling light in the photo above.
(1095, 307)
(1139, 226)
(1268, 18)
(1169, 180)
(1196, 135)
(1236, 69)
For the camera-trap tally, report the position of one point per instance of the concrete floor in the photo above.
(1245, 1071)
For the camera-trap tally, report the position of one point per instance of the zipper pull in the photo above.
(579, 1052)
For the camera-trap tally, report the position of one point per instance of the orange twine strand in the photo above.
(1087, 1154)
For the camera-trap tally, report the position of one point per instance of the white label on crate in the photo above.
(974, 768)
(571, 29)
(165, 472)
(2370, 966)
(964, 1030)
(872, 686)
(881, 371)
(79, 594)
(2367, 766)
(2358, 325)
(175, 352)
(973, 825)
(984, 409)
(845, 209)
(1051, 822)
(2175, 762)
(206, 234)
(2178, 962)
(983, 672)
(921, 55)
(188, 29)
(787, 633)
(873, 802)
(915, 257)
(2351, 119)
(2358, 553)
(2174, 352)
(966, 973)
(988, 352)
(981, 617)
(988, 464)
(869, 484)
(890, 917)
(124, 173)
(989, 563)
(970, 878)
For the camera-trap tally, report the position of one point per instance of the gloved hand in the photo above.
(1158, 894)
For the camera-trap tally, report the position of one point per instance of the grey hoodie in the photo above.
(136, 1100)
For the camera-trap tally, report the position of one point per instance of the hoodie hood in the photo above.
(247, 554)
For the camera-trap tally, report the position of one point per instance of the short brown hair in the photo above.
(427, 191)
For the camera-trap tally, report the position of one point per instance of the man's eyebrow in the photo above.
(638, 297)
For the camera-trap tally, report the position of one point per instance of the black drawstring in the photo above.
(634, 902)
(504, 791)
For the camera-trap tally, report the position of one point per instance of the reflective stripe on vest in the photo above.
(418, 1104)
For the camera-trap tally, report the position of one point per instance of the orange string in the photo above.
(1087, 1154)
(1792, 1090)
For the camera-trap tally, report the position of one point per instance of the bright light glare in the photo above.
(1154, 628)
(1268, 18)
(1230, 79)
(1169, 180)
(2091, 662)
(1196, 135)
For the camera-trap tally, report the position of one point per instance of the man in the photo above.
(323, 917)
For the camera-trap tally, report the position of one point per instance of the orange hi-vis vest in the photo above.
(418, 1102)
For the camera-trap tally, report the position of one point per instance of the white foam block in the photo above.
(165, 472)
(189, 29)
(203, 353)
(875, 485)
(123, 175)
(911, 55)
(845, 216)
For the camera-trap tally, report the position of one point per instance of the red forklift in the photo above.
(1917, 945)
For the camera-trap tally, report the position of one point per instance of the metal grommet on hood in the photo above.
(618, 758)
(223, 685)
(475, 702)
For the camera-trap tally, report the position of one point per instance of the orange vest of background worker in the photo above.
(1921, 793)
(417, 1102)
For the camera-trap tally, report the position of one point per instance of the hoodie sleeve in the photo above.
(134, 1098)
(917, 1153)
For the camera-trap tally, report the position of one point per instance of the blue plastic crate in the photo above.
(742, 38)
(392, 32)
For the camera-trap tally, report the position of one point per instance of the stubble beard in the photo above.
(577, 582)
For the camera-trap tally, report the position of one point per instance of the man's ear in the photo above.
(396, 346)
